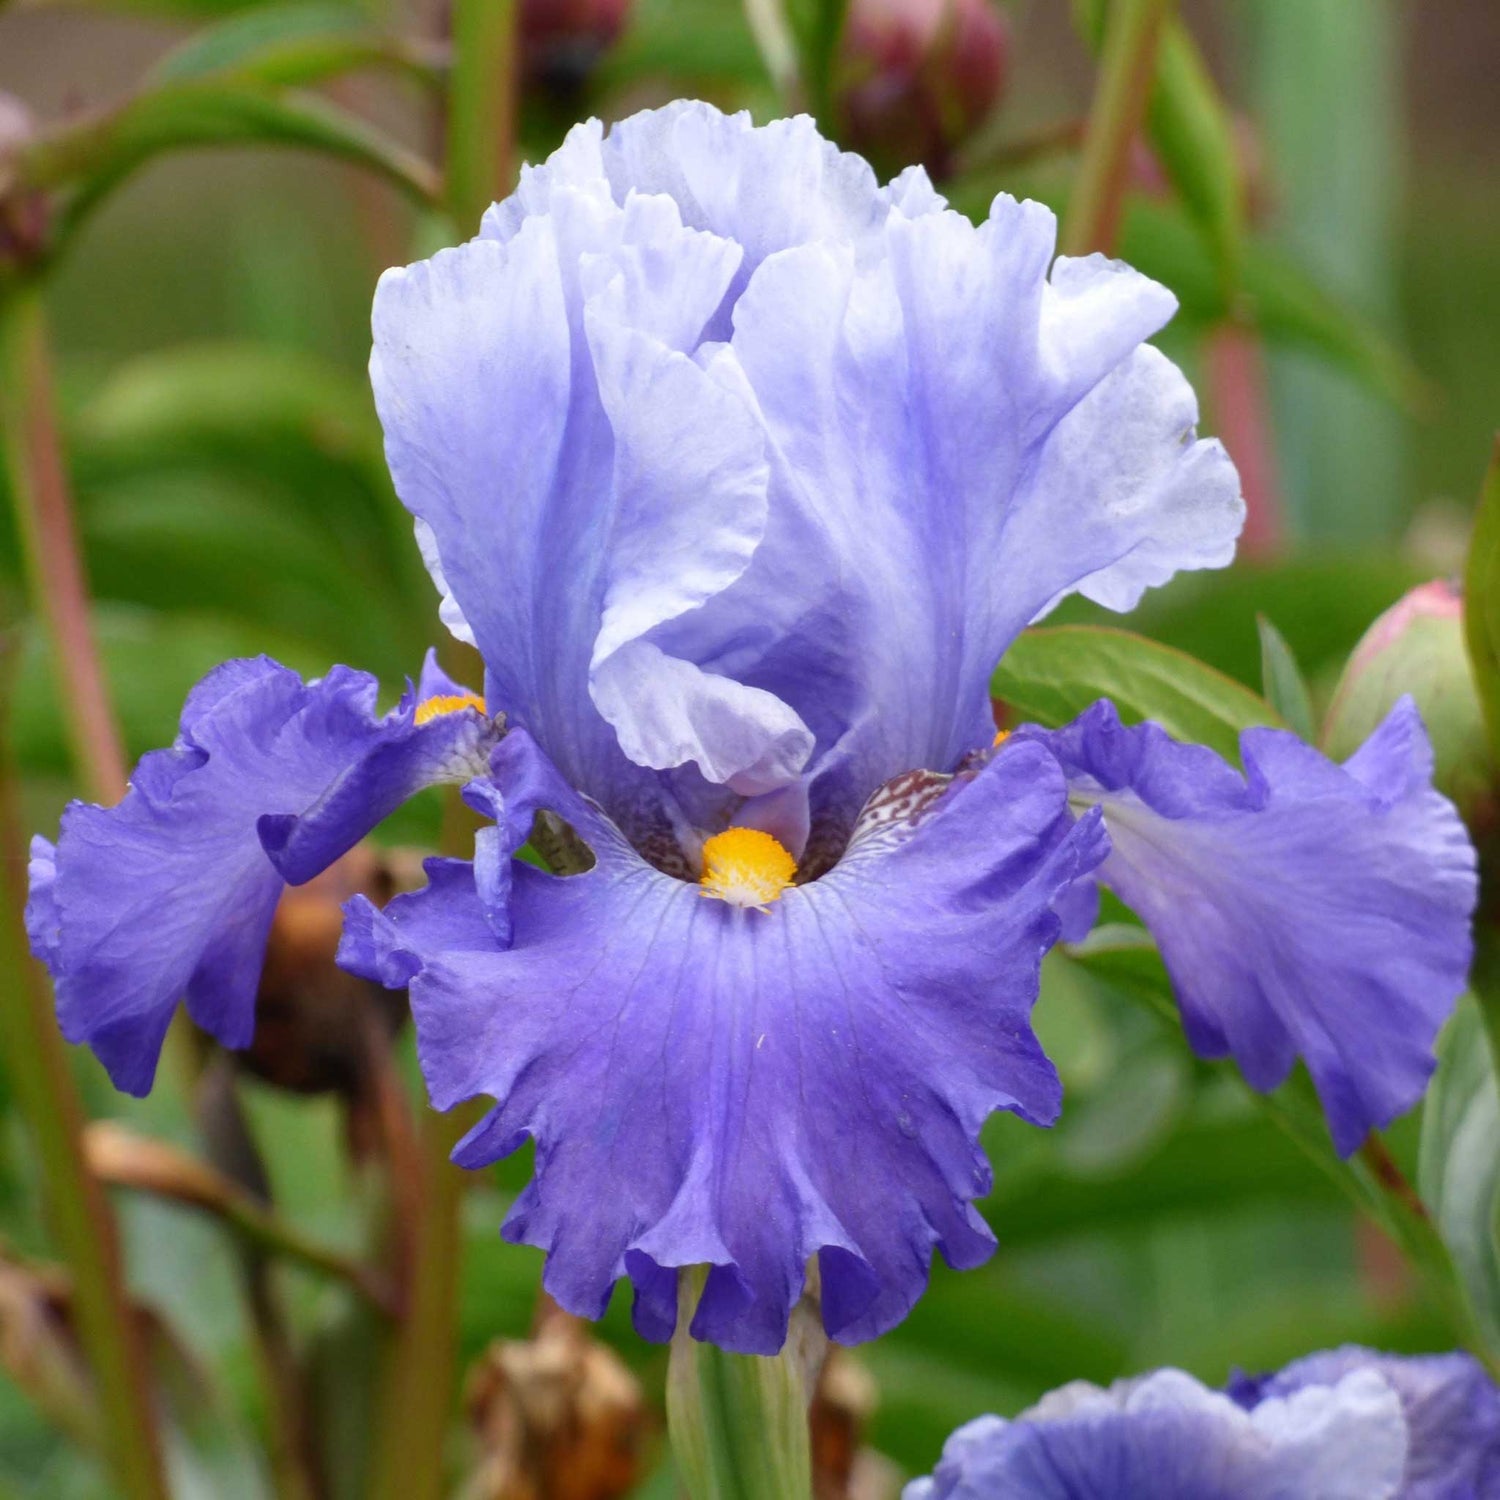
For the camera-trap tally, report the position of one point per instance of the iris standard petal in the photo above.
(1304, 909)
(957, 440)
(737, 1087)
(799, 446)
(170, 894)
(1166, 1437)
(579, 497)
(1451, 1407)
(764, 187)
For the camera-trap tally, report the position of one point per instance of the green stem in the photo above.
(738, 1422)
(1126, 69)
(80, 1216)
(418, 1393)
(54, 571)
(481, 109)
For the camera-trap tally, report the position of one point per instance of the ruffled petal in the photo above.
(957, 440)
(584, 495)
(1305, 909)
(170, 894)
(808, 452)
(766, 188)
(746, 1089)
(1166, 1437)
(1451, 1407)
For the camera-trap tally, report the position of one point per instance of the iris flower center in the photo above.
(446, 703)
(745, 867)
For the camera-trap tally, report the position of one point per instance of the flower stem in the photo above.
(738, 1422)
(420, 1379)
(1126, 69)
(418, 1395)
(79, 1213)
(44, 510)
(481, 109)
(121, 1158)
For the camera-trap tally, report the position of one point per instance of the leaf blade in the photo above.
(1052, 673)
(1482, 601)
(1283, 684)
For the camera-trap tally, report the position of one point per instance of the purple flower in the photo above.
(741, 472)
(170, 895)
(709, 1082)
(1304, 909)
(1348, 1425)
(1450, 1406)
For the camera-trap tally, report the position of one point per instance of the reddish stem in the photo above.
(1237, 393)
(44, 507)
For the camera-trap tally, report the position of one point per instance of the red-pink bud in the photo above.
(23, 214)
(1417, 647)
(918, 77)
(562, 40)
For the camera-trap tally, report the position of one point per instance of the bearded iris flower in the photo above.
(741, 472)
(1350, 1424)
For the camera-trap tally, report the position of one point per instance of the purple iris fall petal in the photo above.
(1166, 1437)
(169, 895)
(1304, 909)
(746, 1089)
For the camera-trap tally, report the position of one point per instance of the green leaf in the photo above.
(179, 9)
(294, 44)
(1282, 681)
(91, 157)
(1482, 601)
(1125, 957)
(1322, 604)
(1193, 136)
(1460, 1159)
(241, 421)
(1052, 673)
(686, 39)
(1286, 303)
(817, 26)
(1191, 129)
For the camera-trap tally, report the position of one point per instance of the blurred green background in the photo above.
(210, 323)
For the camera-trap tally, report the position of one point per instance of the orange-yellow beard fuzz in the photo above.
(745, 867)
(1001, 735)
(446, 703)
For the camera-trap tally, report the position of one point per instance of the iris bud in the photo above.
(562, 40)
(918, 77)
(1417, 647)
(23, 214)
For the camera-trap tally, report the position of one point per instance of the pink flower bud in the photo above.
(919, 76)
(1417, 647)
(23, 214)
